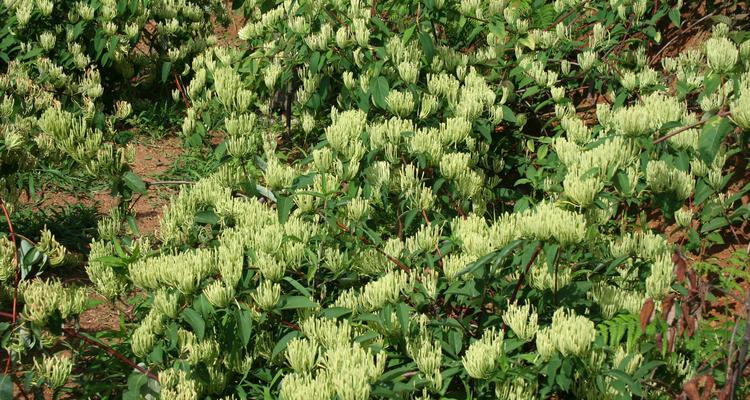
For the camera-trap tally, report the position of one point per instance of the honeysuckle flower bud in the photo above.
(598, 34)
(166, 303)
(299, 25)
(349, 81)
(301, 354)
(684, 217)
(482, 355)
(714, 178)
(545, 343)
(142, 341)
(662, 178)
(639, 8)
(522, 320)
(569, 334)
(586, 59)
(428, 106)
(517, 388)
(45, 7)
(175, 384)
(612, 299)
(454, 263)
(563, 109)
(357, 209)
(711, 102)
(400, 103)
(721, 54)
(720, 30)
(361, 32)
(271, 74)
(547, 221)
(453, 164)
(648, 77)
(219, 294)
(267, 295)
(629, 80)
(558, 93)
(454, 130)
(297, 386)
(47, 40)
(428, 357)
(631, 121)
(343, 37)
(386, 289)
(740, 108)
(443, 85)
(542, 278)
(54, 370)
(632, 365)
(279, 175)
(582, 191)
(123, 109)
(408, 71)
(576, 130)
(49, 246)
(659, 283)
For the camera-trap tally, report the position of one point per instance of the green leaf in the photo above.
(674, 16)
(207, 218)
(711, 137)
(195, 321)
(165, 68)
(408, 33)
(284, 206)
(303, 290)
(403, 312)
(245, 325)
(702, 192)
(335, 312)
(6, 386)
(281, 344)
(429, 49)
(134, 182)
(294, 302)
(714, 224)
(379, 90)
(111, 261)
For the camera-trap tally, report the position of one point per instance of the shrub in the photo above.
(458, 224)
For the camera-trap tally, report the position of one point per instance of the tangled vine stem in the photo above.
(11, 231)
(114, 353)
(722, 113)
(522, 278)
(110, 351)
(182, 91)
(736, 370)
(365, 241)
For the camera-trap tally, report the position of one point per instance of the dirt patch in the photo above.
(228, 35)
(152, 161)
(104, 316)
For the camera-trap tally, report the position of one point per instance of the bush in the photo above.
(465, 219)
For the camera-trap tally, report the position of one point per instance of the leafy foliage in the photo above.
(451, 206)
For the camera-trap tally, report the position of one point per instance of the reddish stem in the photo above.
(522, 278)
(111, 351)
(182, 91)
(365, 241)
(18, 276)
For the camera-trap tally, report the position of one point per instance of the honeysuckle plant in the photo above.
(457, 223)
(459, 229)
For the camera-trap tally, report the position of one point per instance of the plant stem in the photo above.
(522, 278)
(17, 277)
(110, 351)
(688, 127)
